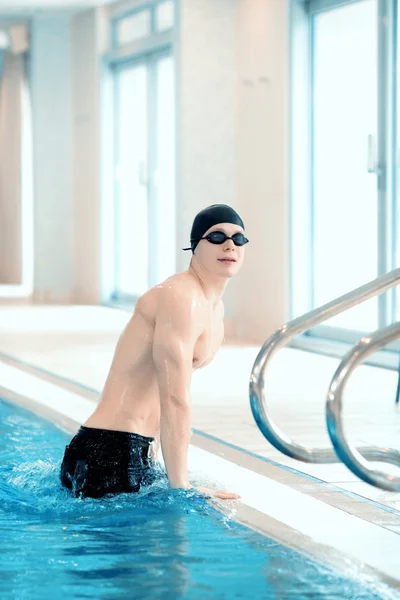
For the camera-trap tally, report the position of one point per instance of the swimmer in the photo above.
(176, 328)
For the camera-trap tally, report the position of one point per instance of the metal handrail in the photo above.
(279, 339)
(352, 457)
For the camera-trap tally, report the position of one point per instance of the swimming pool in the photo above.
(158, 544)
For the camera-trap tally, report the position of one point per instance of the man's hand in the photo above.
(221, 494)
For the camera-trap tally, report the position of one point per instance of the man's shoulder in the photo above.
(175, 286)
(177, 296)
(181, 287)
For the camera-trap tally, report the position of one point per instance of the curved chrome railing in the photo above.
(279, 339)
(353, 458)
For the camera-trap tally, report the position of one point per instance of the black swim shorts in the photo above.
(102, 461)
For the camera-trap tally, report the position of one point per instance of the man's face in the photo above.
(223, 259)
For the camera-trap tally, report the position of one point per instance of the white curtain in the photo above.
(14, 111)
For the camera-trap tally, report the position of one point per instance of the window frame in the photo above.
(150, 6)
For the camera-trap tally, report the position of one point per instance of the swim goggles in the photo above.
(219, 237)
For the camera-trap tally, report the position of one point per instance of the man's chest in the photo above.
(209, 342)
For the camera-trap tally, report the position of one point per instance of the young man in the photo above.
(176, 327)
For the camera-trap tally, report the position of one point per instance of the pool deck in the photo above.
(54, 360)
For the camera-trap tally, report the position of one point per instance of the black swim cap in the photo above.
(212, 215)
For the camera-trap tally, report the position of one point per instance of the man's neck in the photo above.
(213, 286)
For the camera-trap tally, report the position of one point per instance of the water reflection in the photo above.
(131, 549)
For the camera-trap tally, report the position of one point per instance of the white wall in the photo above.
(65, 64)
(262, 288)
(206, 62)
(86, 156)
(10, 169)
(233, 72)
(51, 117)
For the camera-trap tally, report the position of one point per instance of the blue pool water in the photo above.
(157, 544)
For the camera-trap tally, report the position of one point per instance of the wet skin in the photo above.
(176, 328)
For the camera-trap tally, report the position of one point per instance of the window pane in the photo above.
(345, 197)
(132, 200)
(134, 27)
(164, 16)
(165, 174)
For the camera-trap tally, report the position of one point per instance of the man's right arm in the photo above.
(175, 335)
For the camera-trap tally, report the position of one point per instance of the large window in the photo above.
(143, 106)
(345, 199)
(343, 109)
(132, 197)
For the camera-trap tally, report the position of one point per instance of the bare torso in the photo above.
(130, 399)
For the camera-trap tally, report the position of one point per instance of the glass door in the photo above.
(164, 180)
(131, 207)
(145, 240)
(345, 157)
